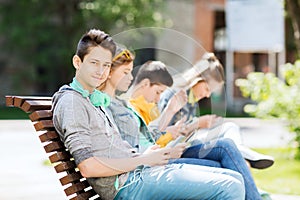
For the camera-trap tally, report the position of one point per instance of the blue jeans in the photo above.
(226, 153)
(196, 161)
(182, 181)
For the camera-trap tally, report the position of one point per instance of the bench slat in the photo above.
(33, 105)
(86, 195)
(19, 100)
(40, 114)
(54, 146)
(60, 156)
(76, 176)
(44, 125)
(64, 166)
(49, 136)
(9, 101)
(76, 187)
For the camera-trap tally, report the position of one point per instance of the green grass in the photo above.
(283, 177)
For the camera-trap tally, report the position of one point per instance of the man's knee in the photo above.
(235, 191)
(226, 142)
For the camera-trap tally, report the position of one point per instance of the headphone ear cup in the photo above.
(100, 99)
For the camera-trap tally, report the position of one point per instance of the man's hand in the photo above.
(175, 131)
(178, 129)
(177, 101)
(177, 151)
(207, 121)
(156, 156)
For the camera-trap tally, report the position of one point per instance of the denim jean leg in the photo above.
(184, 181)
(196, 161)
(225, 151)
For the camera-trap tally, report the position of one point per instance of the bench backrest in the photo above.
(39, 109)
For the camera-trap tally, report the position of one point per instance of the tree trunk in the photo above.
(293, 8)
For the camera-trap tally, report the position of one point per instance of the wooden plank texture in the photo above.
(40, 114)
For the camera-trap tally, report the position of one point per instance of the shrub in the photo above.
(275, 97)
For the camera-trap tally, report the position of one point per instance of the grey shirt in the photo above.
(88, 132)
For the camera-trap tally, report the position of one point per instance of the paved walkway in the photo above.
(257, 133)
(24, 177)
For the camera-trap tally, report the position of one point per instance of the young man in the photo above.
(108, 163)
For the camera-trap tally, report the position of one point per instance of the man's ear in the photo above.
(76, 62)
(145, 82)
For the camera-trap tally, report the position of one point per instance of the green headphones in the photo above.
(97, 98)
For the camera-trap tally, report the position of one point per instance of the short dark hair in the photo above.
(156, 72)
(93, 38)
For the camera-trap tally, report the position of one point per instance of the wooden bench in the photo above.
(39, 110)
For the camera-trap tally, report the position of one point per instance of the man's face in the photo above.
(153, 92)
(94, 68)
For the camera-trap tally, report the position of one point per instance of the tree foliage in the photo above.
(275, 98)
(40, 36)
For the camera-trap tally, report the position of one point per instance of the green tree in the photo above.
(275, 98)
(39, 36)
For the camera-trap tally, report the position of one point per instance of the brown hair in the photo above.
(93, 38)
(215, 71)
(208, 69)
(156, 72)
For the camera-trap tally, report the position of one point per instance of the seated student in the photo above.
(131, 125)
(205, 77)
(107, 161)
